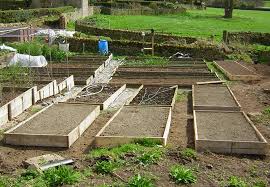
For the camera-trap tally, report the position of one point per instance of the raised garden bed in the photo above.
(181, 81)
(135, 122)
(227, 132)
(186, 62)
(236, 71)
(214, 97)
(164, 69)
(106, 94)
(151, 95)
(58, 125)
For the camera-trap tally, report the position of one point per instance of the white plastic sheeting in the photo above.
(4, 47)
(53, 34)
(28, 61)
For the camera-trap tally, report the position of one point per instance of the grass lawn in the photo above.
(195, 23)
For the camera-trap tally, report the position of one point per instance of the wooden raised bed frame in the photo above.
(231, 147)
(49, 140)
(238, 77)
(111, 141)
(211, 107)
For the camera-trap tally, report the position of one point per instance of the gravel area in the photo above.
(60, 119)
(224, 126)
(139, 122)
(213, 95)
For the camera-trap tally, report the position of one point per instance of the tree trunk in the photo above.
(228, 7)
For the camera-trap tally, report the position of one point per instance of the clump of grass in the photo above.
(259, 183)
(235, 181)
(266, 111)
(30, 174)
(148, 142)
(106, 167)
(182, 175)
(140, 181)
(62, 175)
(181, 96)
(151, 157)
(188, 153)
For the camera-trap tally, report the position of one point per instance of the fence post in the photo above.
(225, 37)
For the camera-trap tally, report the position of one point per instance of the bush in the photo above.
(13, 16)
(61, 175)
(182, 175)
(140, 181)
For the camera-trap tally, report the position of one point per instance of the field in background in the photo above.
(195, 23)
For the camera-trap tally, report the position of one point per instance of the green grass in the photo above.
(235, 181)
(140, 181)
(195, 23)
(266, 3)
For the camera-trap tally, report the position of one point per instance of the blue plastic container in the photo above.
(103, 47)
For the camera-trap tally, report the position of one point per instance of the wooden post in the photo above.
(225, 37)
(153, 41)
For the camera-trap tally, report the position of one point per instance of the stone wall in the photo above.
(132, 48)
(117, 34)
(249, 37)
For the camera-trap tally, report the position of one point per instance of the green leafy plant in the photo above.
(140, 181)
(182, 175)
(189, 153)
(61, 175)
(148, 142)
(106, 167)
(30, 174)
(150, 157)
(260, 183)
(235, 181)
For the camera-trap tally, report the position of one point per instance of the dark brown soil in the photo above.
(101, 97)
(214, 95)
(139, 122)
(73, 66)
(59, 119)
(6, 96)
(234, 68)
(161, 81)
(224, 126)
(154, 96)
(165, 69)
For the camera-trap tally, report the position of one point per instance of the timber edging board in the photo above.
(111, 141)
(50, 140)
(237, 77)
(228, 146)
(196, 106)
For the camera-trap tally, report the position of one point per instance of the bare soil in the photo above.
(60, 119)
(162, 81)
(234, 68)
(73, 66)
(213, 95)
(164, 69)
(139, 122)
(101, 97)
(224, 126)
(6, 96)
(154, 96)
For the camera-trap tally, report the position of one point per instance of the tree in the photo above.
(228, 8)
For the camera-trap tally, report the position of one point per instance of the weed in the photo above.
(235, 181)
(30, 174)
(150, 157)
(148, 142)
(181, 96)
(182, 175)
(266, 111)
(189, 153)
(87, 172)
(106, 167)
(140, 181)
(259, 183)
(61, 175)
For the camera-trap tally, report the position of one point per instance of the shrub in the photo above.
(13, 16)
(140, 181)
(236, 182)
(61, 175)
(182, 175)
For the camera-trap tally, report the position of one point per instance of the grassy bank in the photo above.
(193, 23)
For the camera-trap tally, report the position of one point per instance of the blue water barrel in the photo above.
(103, 47)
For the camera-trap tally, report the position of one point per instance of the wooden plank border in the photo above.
(111, 141)
(218, 107)
(228, 146)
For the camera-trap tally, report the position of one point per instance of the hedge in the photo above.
(13, 16)
(249, 37)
